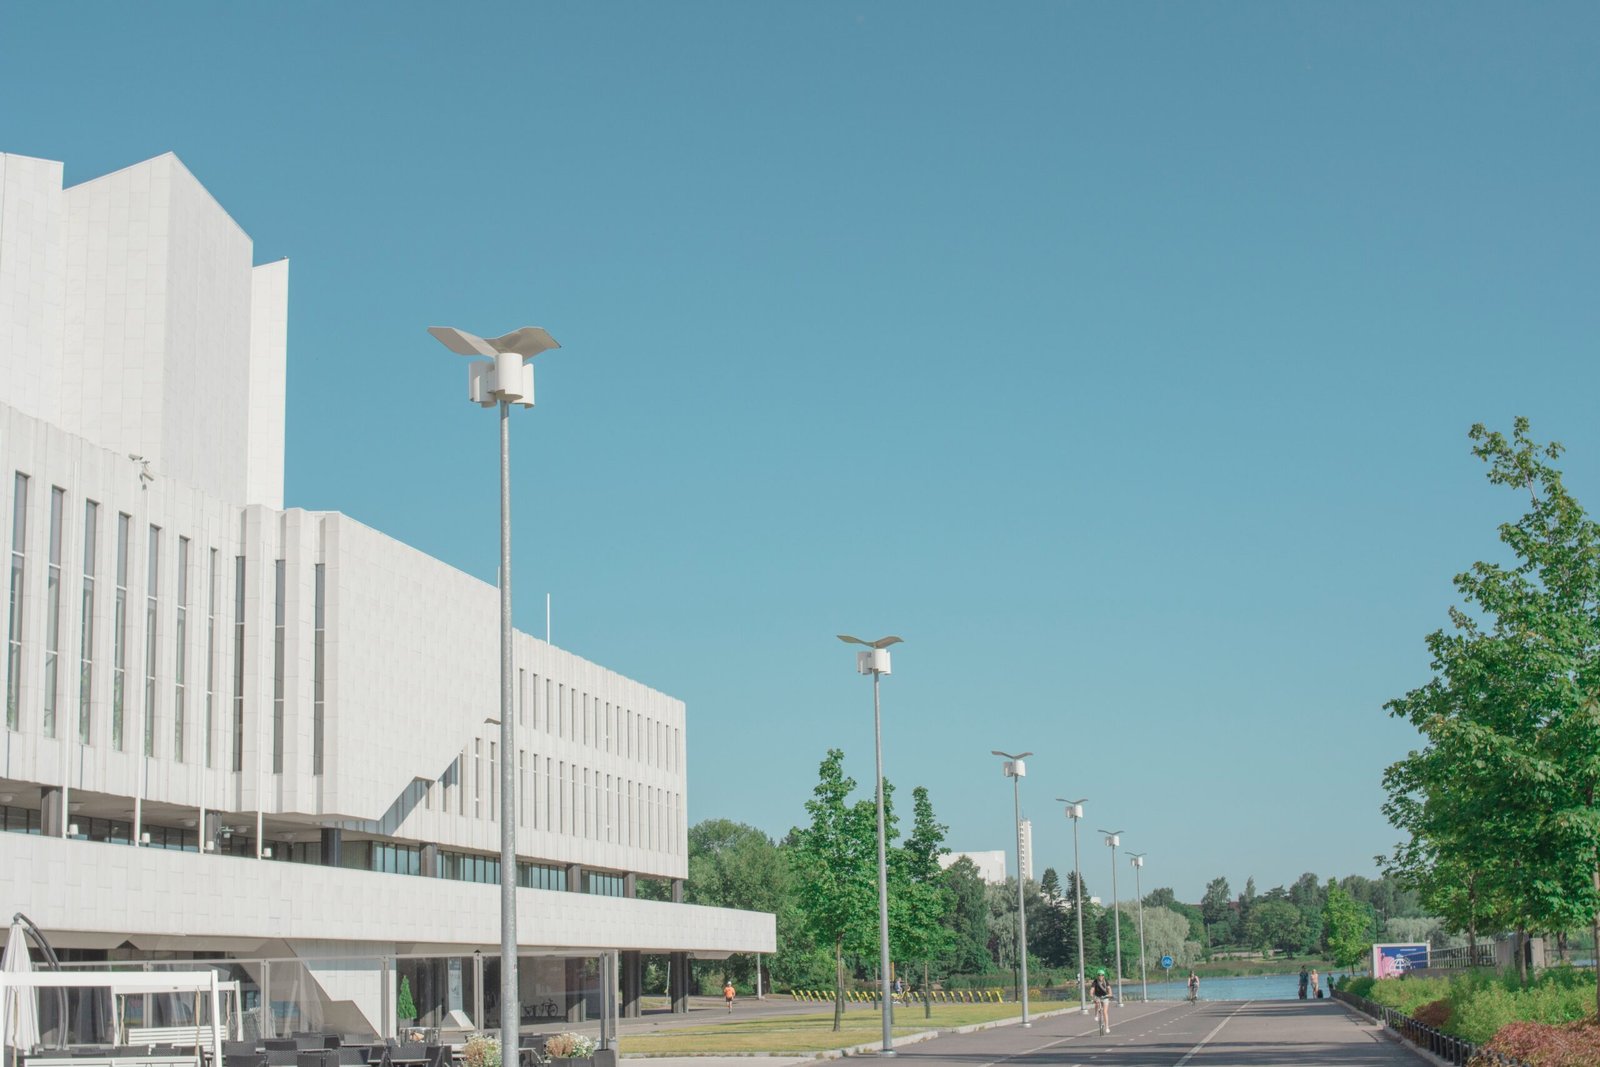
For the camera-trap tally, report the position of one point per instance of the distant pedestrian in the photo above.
(1305, 982)
(1316, 984)
(727, 994)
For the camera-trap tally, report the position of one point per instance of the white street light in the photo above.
(1137, 859)
(1015, 769)
(1075, 813)
(875, 661)
(1114, 840)
(504, 378)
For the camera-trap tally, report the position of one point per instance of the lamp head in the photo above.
(1074, 807)
(882, 642)
(506, 376)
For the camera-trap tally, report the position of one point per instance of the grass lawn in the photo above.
(804, 1033)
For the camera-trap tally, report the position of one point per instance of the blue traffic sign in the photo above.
(1166, 961)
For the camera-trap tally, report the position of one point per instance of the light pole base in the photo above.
(886, 1052)
(1027, 1026)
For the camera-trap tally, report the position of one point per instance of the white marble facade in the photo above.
(134, 321)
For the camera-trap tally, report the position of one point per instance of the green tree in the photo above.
(1216, 908)
(732, 865)
(1511, 717)
(836, 859)
(1276, 925)
(1348, 925)
(404, 1006)
(919, 898)
(966, 920)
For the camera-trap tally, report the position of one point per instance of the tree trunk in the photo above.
(838, 983)
(1522, 955)
(927, 997)
(1594, 928)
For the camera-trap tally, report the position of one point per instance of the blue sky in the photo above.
(1120, 358)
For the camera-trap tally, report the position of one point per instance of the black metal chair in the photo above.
(354, 1055)
(438, 1056)
(280, 1044)
(282, 1057)
(244, 1059)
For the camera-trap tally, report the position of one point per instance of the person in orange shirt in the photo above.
(727, 994)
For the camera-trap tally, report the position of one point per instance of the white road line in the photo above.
(1187, 1056)
(1053, 1044)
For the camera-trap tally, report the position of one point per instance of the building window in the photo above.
(152, 587)
(19, 549)
(52, 611)
(522, 787)
(211, 655)
(318, 707)
(522, 697)
(238, 663)
(477, 778)
(494, 781)
(180, 671)
(279, 613)
(561, 797)
(91, 523)
(119, 632)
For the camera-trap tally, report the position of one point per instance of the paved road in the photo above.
(1209, 1034)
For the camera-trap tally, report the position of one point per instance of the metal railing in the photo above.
(1448, 1047)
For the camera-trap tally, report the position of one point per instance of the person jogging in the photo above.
(1100, 989)
(727, 994)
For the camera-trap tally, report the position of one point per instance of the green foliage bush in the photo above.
(1359, 987)
(1482, 1005)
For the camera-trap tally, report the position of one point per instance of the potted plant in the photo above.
(481, 1050)
(405, 1009)
(578, 1050)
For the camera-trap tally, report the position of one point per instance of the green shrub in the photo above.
(1359, 986)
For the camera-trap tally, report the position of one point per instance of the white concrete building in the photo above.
(991, 865)
(238, 731)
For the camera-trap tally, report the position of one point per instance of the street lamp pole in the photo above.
(1113, 840)
(1075, 813)
(1015, 769)
(504, 377)
(875, 661)
(1137, 858)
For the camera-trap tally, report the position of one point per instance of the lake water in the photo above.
(1253, 987)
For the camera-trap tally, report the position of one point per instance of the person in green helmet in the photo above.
(1100, 989)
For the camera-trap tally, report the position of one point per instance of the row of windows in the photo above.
(383, 856)
(566, 798)
(183, 683)
(567, 712)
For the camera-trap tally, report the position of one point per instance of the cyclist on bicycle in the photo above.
(1100, 989)
(1194, 986)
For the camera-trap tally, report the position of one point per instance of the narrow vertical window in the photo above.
(522, 787)
(212, 577)
(91, 524)
(52, 611)
(561, 797)
(180, 670)
(318, 697)
(152, 586)
(561, 711)
(550, 822)
(19, 549)
(522, 697)
(477, 778)
(279, 613)
(119, 633)
(461, 783)
(494, 781)
(238, 663)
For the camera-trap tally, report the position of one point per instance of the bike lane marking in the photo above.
(1187, 1056)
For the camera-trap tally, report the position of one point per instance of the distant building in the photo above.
(991, 865)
